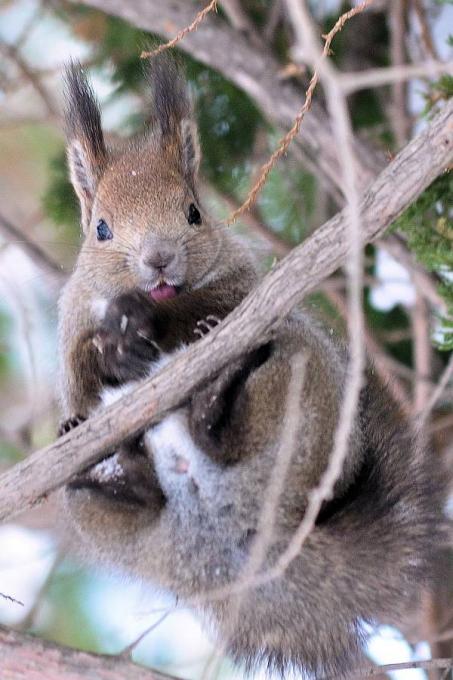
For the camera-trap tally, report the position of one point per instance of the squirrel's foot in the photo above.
(216, 410)
(204, 326)
(125, 338)
(210, 410)
(69, 424)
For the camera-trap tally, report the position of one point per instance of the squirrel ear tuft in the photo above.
(86, 150)
(171, 101)
(172, 109)
(190, 149)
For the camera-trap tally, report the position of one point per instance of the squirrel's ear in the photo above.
(86, 150)
(172, 108)
(190, 149)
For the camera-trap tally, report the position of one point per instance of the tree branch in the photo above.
(24, 656)
(385, 75)
(429, 664)
(306, 39)
(413, 169)
(398, 109)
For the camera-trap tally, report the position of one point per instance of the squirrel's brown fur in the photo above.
(182, 508)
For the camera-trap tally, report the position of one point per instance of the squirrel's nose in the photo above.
(160, 259)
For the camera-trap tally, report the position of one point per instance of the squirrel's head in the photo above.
(141, 215)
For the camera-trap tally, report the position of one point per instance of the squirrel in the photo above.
(181, 507)
(149, 244)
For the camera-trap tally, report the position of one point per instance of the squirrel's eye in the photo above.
(194, 216)
(103, 232)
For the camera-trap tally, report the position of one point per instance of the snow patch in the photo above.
(107, 470)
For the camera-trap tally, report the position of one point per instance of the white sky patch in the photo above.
(178, 645)
(122, 611)
(26, 558)
(394, 287)
(387, 645)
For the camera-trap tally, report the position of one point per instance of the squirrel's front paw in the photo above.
(204, 326)
(125, 338)
(211, 413)
(216, 412)
(69, 424)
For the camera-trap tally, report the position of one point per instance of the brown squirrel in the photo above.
(149, 245)
(182, 506)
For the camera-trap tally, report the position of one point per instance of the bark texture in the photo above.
(24, 657)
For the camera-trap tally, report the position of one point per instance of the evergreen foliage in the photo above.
(428, 226)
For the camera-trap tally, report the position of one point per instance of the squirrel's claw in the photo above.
(206, 325)
(69, 424)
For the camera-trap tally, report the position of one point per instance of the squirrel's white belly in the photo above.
(182, 468)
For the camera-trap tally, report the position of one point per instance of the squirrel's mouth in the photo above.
(164, 291)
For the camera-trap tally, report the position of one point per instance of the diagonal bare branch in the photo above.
(413, 169)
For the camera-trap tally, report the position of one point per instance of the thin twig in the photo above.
(384, 364)
(30, 618)
(241, 22)
(422, 354)
(12, 53)
(23, 316)
(446, 674)
(341, 124)
(28, 27)
(181, 35)
(288, 138)
(398, 109)
(422, 360)
(127, 651)
(272, 20)
(439, 390)
(11, 599)
(425, 31)
(426, 284)
(430, 664)
(273, 493)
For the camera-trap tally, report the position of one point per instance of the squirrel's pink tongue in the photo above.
(164, 292)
